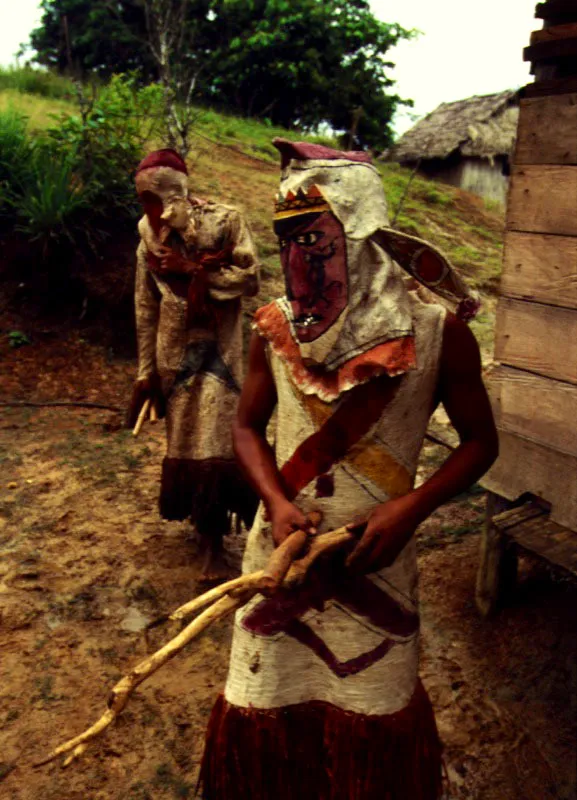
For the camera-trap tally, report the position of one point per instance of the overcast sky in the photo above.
(466, 47)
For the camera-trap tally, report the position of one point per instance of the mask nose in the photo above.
(166, 212)
(298, 273)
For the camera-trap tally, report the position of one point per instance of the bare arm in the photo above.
(256, 457)
(464, 397)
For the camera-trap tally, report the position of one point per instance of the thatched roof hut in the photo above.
(467, 143)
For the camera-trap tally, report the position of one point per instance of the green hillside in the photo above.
(233, 161)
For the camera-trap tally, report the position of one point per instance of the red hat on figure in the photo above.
(163, 158)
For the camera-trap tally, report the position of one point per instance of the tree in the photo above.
(304, 62)
(93, 37)
(181, 46)
(294, 62)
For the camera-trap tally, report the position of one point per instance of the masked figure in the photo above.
(195, 261)
(323, 700)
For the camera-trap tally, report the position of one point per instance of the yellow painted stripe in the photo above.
(380, 467)
(371, 460)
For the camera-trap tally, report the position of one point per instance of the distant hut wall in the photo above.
(534, 388)
(481, 176)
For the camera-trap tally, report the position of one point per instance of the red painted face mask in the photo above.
(314, 261)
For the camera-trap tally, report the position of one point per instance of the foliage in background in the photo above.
(107, 139)
(36, 81)
(83, 37)
(71, 185)
(297, 63)
(468, 232)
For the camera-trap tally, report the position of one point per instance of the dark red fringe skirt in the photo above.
(315, 751)
(207, 492)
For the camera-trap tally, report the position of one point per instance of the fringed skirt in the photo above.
(316, 751)
(206, 491)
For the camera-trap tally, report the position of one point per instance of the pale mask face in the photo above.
(314, 261)
(163, 193)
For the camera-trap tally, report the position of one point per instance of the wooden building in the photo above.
(467, 144)
(534, 387)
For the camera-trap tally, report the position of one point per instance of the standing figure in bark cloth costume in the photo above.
(323, 699)
(195, 261)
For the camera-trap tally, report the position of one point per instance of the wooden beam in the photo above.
(541, 268)
(543, 199)
(541, 410)
(555, 9)
(547, 131)
(543, 88)
(538, 338)
(506, 519)
(555, 33)
(548, 51)
(525, 467)
(543, 537)
(497, 564)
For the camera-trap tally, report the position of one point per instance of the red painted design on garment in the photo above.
(282, 614)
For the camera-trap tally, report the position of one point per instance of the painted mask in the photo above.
(314, 260)
(163, 192)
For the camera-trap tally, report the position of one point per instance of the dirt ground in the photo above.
(86, 562)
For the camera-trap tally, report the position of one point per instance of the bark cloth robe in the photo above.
(199, 363)
(323, 700)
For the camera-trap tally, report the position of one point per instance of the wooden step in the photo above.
(531, 529)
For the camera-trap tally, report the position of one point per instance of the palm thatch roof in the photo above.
(484, 127)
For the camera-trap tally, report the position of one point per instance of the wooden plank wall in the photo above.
(534, 391)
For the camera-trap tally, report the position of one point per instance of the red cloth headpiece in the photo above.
(163, 158)
(303, 151)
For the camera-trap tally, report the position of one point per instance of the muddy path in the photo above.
(86, 562)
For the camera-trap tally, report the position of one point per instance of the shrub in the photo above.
(15, 149)
(69, 188)
(51, 205)
(107, 140)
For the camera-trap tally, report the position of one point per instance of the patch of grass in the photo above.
(483, 326)
(17, 339)
(45, 687)
(145, 593)
(435, 196)
(5, 769)
(494, 206)
(138, 791)
(39, 111)
(101, 460)
(8, 456)
(108, 654)
(36, 81)
(166, 779)
(456, 531)
(464, 255)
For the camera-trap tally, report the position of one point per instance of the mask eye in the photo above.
(282, 242)
(308, 239)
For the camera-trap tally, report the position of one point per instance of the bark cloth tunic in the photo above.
(199, 363)
(326, 681)
(323, 700)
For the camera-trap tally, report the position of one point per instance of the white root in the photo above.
(221, 601)
(244, 583)
(125, 687)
